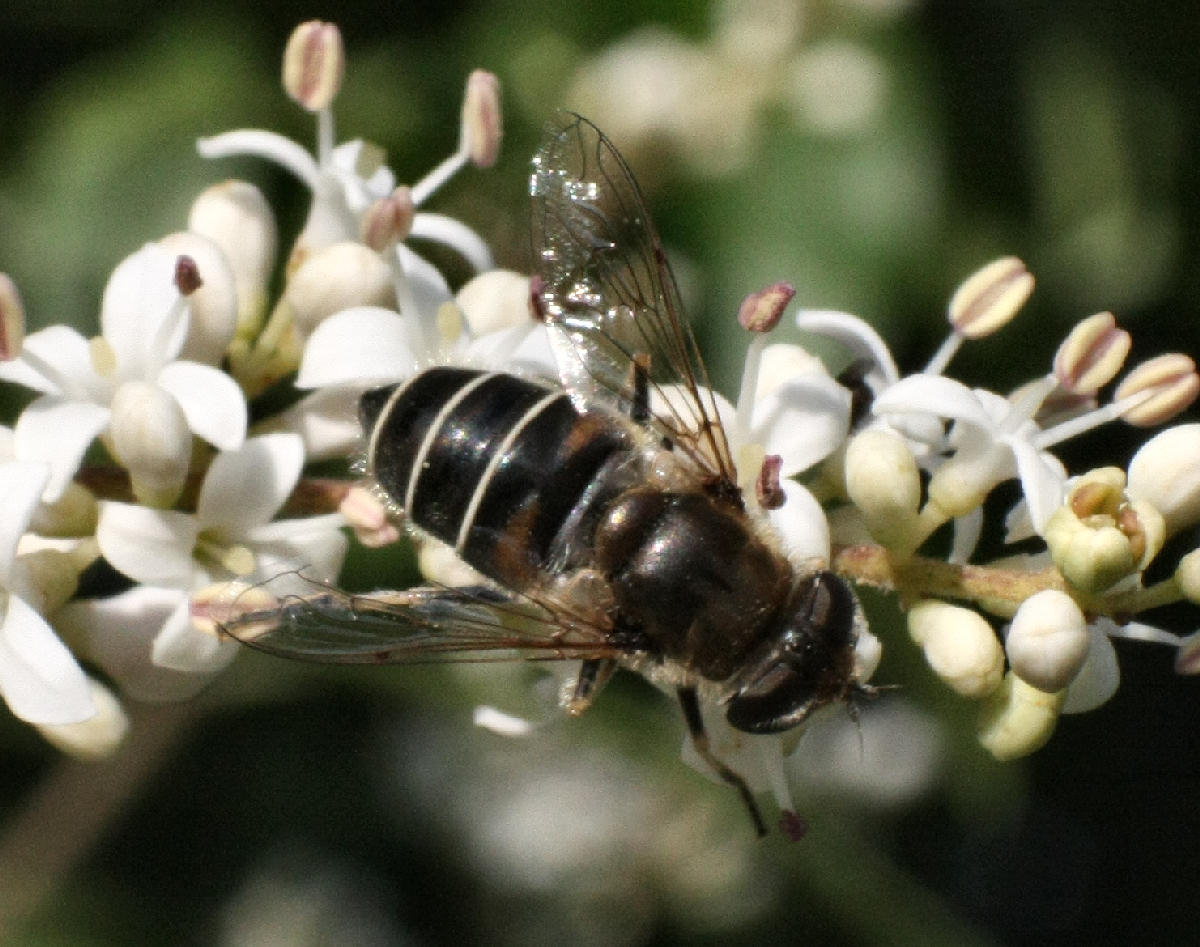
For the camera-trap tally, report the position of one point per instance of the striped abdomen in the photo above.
(504, 470)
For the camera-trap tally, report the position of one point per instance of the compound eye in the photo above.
(777, 698)
(809, 661)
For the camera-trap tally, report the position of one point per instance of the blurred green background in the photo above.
(873, 152)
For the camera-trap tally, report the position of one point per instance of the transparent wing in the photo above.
(605, 288)
(414, 626)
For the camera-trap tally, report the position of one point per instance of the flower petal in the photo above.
(212, 402)
(263, 144)
(1042, 484)
(315, 546)
(933, 394)
(118, 633)
(139, 312)
(803, 421)
(361, 346)
(180, 646)
(39, 677)
(246, 487)
(454, 234)
(60, 364)
(96, 738)
(855, 334)
(325, 419)
(1099, 677)
(151, 546)
(802, 525)
(21, 485)
(58, 432)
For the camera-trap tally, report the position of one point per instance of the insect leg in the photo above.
(695, 724)
(593, 675)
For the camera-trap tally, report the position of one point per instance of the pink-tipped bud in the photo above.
(989, 298)
(12, 319)
(1092, 354)
(481, 122)
(314, 64)
(1169, 384)
(761, 311)
(388, 221)
(187, 275)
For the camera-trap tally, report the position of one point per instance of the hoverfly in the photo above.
(604, 512)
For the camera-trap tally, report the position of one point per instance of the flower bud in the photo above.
(481, 123)
(1168, 384)
(1099, 537)
(989, 298)
(213, 303)
(497, 299)
(237, 218)
(883, 482)
(1047, 641)
(1187, 575)
(761, 311)
(1018, 719)
(314, 63)
(1092, 354)
(959, 645)
(336, 278)
(96, 738)
(151, 439)
(1165, 472)
(12, 319)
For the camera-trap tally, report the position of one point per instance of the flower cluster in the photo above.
(137, 456)
(136, 461)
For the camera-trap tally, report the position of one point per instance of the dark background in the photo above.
(294, 806)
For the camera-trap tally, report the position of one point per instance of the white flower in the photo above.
(346, 180)
(39, 678)
(230, 535)
(86, 387)
(993, 440)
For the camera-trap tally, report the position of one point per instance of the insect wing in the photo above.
(606, 290)
(414, 626)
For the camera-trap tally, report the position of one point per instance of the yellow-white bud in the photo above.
(97, 737)
(151, 439)
(1047, 641)
(238, 219)
(213, 307)
(959, 645)
(338, 277)
(1165, 472)
(497, 299)
(1099, 537)
(1018, 719)
(883, 482)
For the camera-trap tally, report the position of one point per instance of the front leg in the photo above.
(690, 703)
